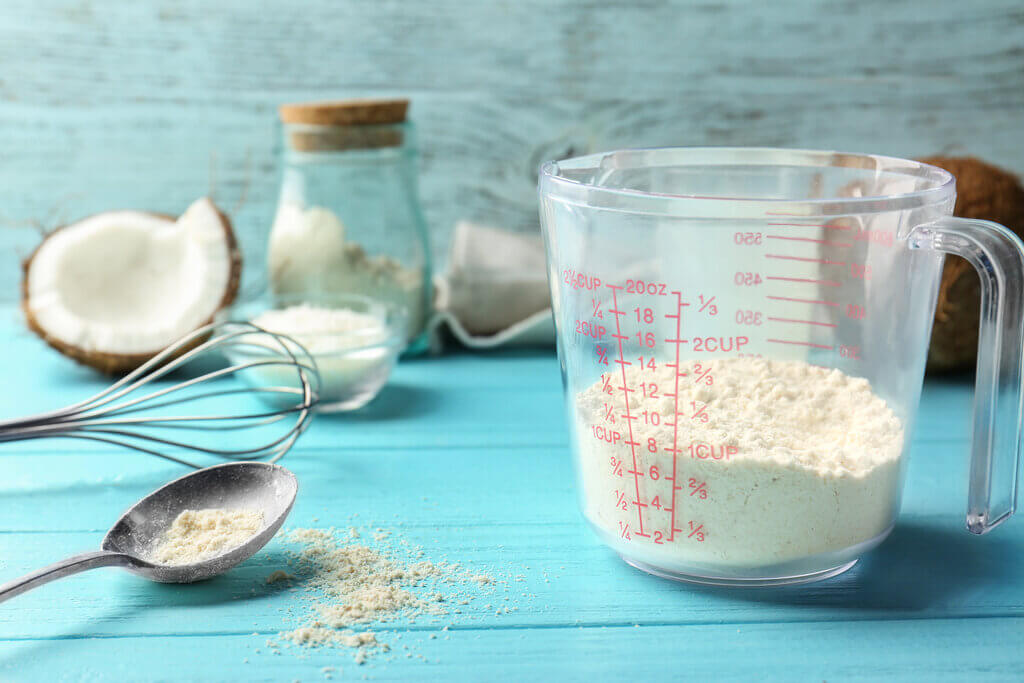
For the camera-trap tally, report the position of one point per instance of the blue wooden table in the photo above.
(467, 455)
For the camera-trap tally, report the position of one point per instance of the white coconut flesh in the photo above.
(127, 282)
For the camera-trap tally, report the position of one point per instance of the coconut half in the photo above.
(115, 289)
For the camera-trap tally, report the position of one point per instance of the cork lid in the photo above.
(345, 112)
(344, 124)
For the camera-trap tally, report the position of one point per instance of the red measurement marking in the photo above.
(803, 301)
(620, 500)
(701, 414)
(597, 309)
(590, 329)
(800, 343)
(698, 489)
(629, 423)
(616, 466)
(830, 283)
(704, 375)
(707, 305)
(809, 239)
(811, 225)
(606, 384)
(679, 308)
(624, 530)
(608, 415)
(849, 352)
(696, 531)
(705, 451)
(804, 322)
(675, 412)
(602, 354)
(807, 260)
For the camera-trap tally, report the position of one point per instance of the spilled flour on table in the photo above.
(347, 584)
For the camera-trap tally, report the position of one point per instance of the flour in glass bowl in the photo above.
(354, 351)
(777, 460)
(324, 330)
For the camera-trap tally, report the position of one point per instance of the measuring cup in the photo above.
(742, 335)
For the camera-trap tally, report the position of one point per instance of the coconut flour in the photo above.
(324, 330)
(309, 253)
(776, 460)
(353, 587)
(350, 349)
(198, 535)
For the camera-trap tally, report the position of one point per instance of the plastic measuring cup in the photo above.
(751, 276)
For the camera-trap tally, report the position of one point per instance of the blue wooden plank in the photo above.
(511, 398)
(420, 407)
(568, 579)
(488, 482)
(500, 509)
(498, 483)
(985, 649)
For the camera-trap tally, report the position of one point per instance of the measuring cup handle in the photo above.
(58, 570)
(998, 256)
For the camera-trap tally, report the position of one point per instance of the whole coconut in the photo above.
(990, 193)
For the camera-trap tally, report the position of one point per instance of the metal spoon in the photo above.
(267, 488)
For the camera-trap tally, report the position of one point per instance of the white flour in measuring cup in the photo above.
(776, 460)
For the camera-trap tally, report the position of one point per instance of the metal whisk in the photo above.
(133, 412)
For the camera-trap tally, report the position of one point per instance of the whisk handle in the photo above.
(66, 567)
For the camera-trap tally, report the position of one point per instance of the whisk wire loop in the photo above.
(279, 372)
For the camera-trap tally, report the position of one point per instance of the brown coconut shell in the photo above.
(121, 363)
(986, 192)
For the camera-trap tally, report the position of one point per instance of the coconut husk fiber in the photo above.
(986, 192)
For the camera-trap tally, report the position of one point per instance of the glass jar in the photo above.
(348, 217)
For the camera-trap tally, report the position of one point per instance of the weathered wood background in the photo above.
(107, 104)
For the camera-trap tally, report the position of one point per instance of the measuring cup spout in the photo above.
(998, 256)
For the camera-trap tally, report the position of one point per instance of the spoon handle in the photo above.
(58, 570)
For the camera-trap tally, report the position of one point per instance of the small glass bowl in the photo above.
(353, 365)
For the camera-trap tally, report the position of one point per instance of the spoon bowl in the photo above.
(131, 542)
(269, 489)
